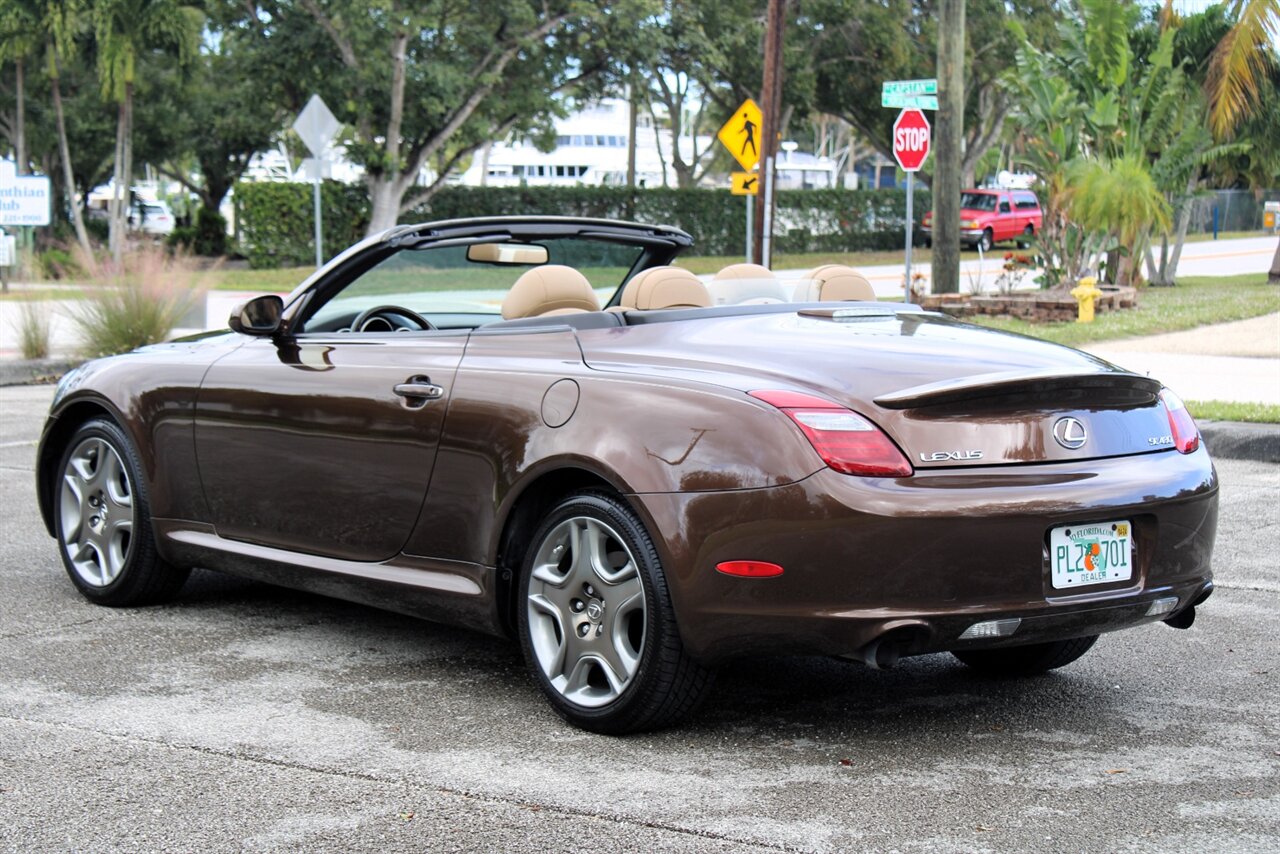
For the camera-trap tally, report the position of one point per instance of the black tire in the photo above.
(986, 241)
(1027, 234)
(666, 684)
(1028, 660)
(141, 577)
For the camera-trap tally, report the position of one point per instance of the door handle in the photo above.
(418, 390)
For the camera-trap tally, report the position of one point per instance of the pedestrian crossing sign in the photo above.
(741, 134)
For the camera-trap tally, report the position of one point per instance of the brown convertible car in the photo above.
(446, 421)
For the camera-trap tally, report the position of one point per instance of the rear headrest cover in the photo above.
(744, 271)
(551, 287)
(834, 283)
(666, 287)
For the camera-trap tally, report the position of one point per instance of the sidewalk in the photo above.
(1238, 361)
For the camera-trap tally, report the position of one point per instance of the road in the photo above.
(245, 717)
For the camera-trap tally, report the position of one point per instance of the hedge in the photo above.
(275, 228)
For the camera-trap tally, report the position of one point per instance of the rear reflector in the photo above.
(1186, 436)
(846, 441)
(1162, 606)
(992, 629)
(749, 569)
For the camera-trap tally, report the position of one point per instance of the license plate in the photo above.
(1093, 553)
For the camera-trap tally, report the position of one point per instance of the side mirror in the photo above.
(258, 316)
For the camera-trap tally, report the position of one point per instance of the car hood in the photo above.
(949, 393)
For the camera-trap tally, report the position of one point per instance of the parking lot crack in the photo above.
(401, 780)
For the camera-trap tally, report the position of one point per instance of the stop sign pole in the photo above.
(910, 149)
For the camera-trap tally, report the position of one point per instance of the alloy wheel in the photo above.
(586, 611)
(97, 512)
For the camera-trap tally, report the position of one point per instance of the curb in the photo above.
(34, 371)
(1234, 440)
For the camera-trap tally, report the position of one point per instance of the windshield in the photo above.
(442, 280)
(978, 201)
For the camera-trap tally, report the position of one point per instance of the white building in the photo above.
(591, 149)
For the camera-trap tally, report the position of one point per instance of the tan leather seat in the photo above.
(549, 290)
(744, 271)
(833, 283)
(745, 284)
(664, 287)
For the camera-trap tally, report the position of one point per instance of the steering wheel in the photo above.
(393, 316)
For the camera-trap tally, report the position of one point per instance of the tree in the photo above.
(60, 23)
(123, 30)
(217, 113)
(675, 46)
(19, 40)
(1242, 64)
(421, 86)
(855, 45)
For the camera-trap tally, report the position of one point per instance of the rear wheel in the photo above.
(103, 522)
(1028, 234)
(596, 623)
(986, 241)
(1026, 660)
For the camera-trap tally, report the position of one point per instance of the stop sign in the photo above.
(911, 140)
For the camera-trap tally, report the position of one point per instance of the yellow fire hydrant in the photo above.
(1086, 293)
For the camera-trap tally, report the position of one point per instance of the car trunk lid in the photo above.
(949, 394)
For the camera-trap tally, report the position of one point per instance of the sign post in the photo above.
(741, 135)
(316, 125)
(910, 148)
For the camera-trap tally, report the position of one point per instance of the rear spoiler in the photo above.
(1003, 383)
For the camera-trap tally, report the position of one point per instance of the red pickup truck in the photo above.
(990, 216)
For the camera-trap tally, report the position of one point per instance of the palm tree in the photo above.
(60, 20)
(124, 29)
(1241, 63)
(17, 43)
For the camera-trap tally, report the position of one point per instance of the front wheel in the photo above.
(1028, 660)
(596, 623)
(103, 522)
(986, 241)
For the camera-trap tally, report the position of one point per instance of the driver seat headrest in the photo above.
(547, 290)
(664, 287)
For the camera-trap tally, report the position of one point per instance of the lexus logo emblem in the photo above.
(1070, 433)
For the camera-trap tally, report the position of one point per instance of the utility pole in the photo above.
(770, 96)
(949, 131)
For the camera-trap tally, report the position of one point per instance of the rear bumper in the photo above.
(923, 558)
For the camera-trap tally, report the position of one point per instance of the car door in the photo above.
(325, 442)
(1006, 223)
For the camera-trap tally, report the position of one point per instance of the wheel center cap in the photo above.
(595, 611)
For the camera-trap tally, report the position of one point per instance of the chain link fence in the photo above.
(1229, 210)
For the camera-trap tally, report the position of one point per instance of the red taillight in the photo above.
(1186, 436)
(749, 569)
(845, 440)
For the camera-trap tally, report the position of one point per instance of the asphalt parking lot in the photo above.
(246, 717)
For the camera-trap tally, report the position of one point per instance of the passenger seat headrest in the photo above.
(549, 289)
(744, 271)
(665, 287)
(834, 283)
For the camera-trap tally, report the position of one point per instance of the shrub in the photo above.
(58, 263)
(276, 226)
(35, 327)
(211, 233)
(138, 303)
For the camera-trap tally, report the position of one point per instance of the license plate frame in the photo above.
(1090, 553)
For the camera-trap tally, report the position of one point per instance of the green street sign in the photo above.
(918, 102)
(909, 87)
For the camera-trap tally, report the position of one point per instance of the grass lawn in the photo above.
(1226, 410)
(1196, 301)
